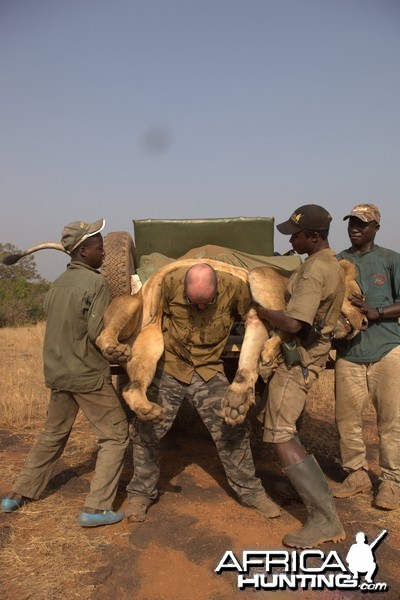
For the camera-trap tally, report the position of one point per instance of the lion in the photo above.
(132, 335)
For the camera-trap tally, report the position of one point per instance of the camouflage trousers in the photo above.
(233, 443)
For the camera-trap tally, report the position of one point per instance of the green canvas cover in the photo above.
(150, 263)
(175, 237)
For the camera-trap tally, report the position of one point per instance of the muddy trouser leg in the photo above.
(41, 460)
(384, 384)
(233, 443)
(167, 392)
(351, 397)
(107, 418)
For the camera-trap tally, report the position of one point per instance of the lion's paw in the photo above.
(267, 366)
(119, 353)
(152, 413)
(141, 406)
(236, 403)
(268, 355)
(269, 361)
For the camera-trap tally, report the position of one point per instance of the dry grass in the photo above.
(24, 396)
(57, 563)
(44, 554)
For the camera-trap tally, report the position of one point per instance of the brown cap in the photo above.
(309, 216)
(365, 212)
(77, 232)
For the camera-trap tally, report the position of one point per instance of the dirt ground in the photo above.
(174, 553)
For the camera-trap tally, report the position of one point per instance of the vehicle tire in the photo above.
(119, 262)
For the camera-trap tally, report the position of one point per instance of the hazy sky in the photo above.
(123, 109)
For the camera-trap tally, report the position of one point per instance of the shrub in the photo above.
(22, 291)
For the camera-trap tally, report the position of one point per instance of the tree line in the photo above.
(22, 290)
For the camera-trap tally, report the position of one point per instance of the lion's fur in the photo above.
(133, 328)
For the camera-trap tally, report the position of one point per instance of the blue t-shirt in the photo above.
(378, 274)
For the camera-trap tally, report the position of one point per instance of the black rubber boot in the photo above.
(323, 524)
(284, 489)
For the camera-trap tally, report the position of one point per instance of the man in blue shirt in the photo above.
(368, 367)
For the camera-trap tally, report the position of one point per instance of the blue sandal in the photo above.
(11, 504)
(107, 517)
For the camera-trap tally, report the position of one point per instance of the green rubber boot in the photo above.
(323, 524)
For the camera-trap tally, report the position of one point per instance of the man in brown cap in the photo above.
(314, 296)
(368, 367)
(79, 377)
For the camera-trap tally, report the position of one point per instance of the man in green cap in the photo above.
(314, 296)
(79, 377)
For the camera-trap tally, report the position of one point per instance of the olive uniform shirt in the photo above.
(195, 339)
(315, 294)
(74, 307)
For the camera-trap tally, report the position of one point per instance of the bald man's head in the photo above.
(200, 285)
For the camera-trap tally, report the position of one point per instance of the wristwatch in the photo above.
(381, 311)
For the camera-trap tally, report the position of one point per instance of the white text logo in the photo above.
(307, 569)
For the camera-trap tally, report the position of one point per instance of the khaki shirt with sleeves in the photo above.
(195, 339)
(315, 294)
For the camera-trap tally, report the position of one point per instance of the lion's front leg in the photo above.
(239, 396)
(121, 321)
(147, 351)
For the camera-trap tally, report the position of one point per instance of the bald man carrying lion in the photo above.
(199, 307)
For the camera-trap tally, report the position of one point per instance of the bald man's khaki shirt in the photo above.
(195, 339)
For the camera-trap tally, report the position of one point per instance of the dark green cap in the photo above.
(77, 232)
